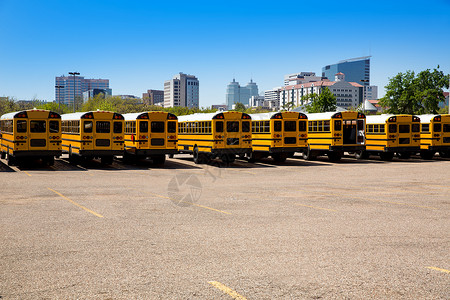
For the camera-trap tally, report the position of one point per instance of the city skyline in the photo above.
(41, 42)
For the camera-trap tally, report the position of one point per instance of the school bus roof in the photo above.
(11, 115)
(427, 118)
(269, 115)
(78, 115)
(204, 116)
(380, 119)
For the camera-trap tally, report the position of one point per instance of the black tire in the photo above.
(48, 161)
(427, 155)
(361, 154)
(3, 155)
(444, 154)
(386, 156)
(279, 157)
(159, 159)
(334, 156)
(106, 160)
(11, 160)
(308, 155)
(404, 155)
(196, 156)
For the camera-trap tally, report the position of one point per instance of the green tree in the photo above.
(53, 106)
(240, 107)
(7, 105)
(407, 93)
(326, 101)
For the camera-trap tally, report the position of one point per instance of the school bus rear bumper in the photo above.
(150, 152)
(402, 149)
(231, 151)
(350, 148)
(287, 149)
(97, 153)
(438, 148)
(37, 153)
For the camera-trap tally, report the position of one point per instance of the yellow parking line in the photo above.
(198, 205)
(74, 203)
(315, 207)
(27, 173)
(439, 269)
(227, 290)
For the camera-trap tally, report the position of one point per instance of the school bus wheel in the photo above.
(427, 155)
(404, 155)
(308, 154)
(444, 154)
(386, 156)
(361, 154)
(279, 157)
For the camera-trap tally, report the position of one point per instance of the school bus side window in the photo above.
(54, 126)
(117, 127)
(143, 126)
(21, 126)
(277, 126)
(219, 126)
(171, 127)
(245, 126)
(337, 125)
(87, 125)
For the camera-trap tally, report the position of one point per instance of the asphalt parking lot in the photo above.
(300, 230)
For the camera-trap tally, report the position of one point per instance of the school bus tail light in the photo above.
(437, 119)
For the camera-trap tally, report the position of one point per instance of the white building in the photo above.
(302, 77)
(371, 92)
(273, 97)
(348, 94)
(181, 90)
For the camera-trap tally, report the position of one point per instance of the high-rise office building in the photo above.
(242, 94)
(153, 97)
(181, 90)
(66, 87)
(355, 70)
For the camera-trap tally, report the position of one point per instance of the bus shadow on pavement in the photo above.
(146, 164)
(5, 168)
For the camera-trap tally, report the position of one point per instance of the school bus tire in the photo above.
(309, 155)
(49, 160)
(334, 156)
(386, 156)
(159, 159)
(427, 155)
(444, 154)
(196, 156)
(106, 160)
(280, 157)
(361, 154)
(3, 155)
(404, 155)
(12, 161)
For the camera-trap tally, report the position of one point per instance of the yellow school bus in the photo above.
(333, 133)
(94, 134)
(387, 135)
(30, 133)
(150, 134)
(278, 134)
(435, 135)
(222, 134)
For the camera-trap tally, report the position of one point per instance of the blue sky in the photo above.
(138, 45)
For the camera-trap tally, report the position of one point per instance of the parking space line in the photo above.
(227, 290)
(439, 269)
(195, 204)
(27, 173)
(315, 207)
(74, 203)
